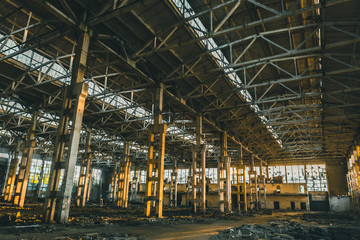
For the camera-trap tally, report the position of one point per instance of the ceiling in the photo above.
(281, 78)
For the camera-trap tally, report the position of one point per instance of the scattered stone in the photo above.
(287, 229)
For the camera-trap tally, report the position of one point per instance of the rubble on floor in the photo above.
(289, 229)
(95, 222)
(108, 215)
(101, 236)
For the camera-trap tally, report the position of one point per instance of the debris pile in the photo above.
(288, 229)
(101, 236)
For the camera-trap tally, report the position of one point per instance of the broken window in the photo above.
(316, 178)
(277, 171)
(96, 176)
(295, 174)
(211, 173)
(182, 176)
(34, 174)
(167, 174)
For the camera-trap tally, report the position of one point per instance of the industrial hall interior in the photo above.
(179, 119)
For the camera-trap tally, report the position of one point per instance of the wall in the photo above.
(336, 174)
(340, 203)
(285, 188)
(285, 194)
(288, 193)
(285, 201)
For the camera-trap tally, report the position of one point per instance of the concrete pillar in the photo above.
(224, 182)
(221, 180)
(253, 185)
(114, 180)
(173, 186)
(203, 178)
(38, 187)
(198, 165)
(86, 163)
(88, 177)
(262, 187)
(78, 91)
(6, 175)
(25, 164)
(241, 183)
(155, 160)
(127, 176)
(124, 178)
(134, 185)
(9, 188)
(89, 185)
(228, 181)
(188, 184)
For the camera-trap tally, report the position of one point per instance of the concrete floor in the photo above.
(94, 222)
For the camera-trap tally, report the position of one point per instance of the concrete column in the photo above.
(224, 176)
(6, 175)
(89, 185)
(241, 183)
(88, 176)
(173, 186)
(114, 180)
(198, 168)
(228, 181)
(194, 182)
(221, 190)
(253, 185)
(38, 187)
(175, 172)
(155, 161)
(25, 164)
(77, 91)
(85, 168)
(127, 175)
(189, 183)
(124, 178)
(12, 173)
(134, 188)
(203, 178)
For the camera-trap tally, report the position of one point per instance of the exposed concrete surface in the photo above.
(109, 222)
(340, 203)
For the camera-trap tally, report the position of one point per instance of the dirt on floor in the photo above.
(110, 222)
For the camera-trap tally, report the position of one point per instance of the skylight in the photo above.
(196, 24)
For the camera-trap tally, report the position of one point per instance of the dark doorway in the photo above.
(234, 201)
(276, 205)
(292, 205)
(319, 202)
(179, 199)
(303, 206)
